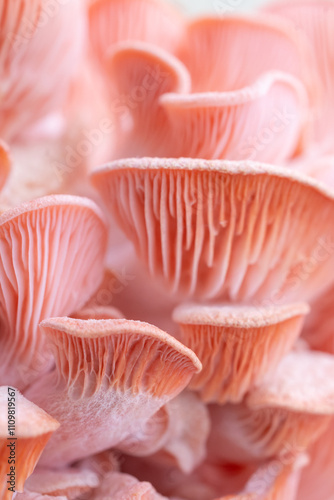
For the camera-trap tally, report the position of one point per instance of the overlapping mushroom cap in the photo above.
(51, 260)
(106, 386)
(35, 71)
(237, 346)
(216, 135)
(25, 429)
(223, 230)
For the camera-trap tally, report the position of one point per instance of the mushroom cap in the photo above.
(114, 21)
(212, 39)
(37, 71)
(122, 342)
(125, 370)
(314, 19)
(33, 428)
(139, 74)
(217, 229)
(242, 124)
(302, 382)
(287, 411)
(51, 261)
(237, 345)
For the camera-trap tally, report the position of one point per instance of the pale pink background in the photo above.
(194, 7)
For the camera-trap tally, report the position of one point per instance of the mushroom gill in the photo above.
(51, 261)
(111, 377)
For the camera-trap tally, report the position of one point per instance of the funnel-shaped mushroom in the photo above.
(71, 482)
(228, 230)
(235, 40)
(287, 411)
(237, 346)
(35, 69)
(51, 261)
(113, 21)
(112, 376)
(5, 163)
(141, 73)
(263, 122)
(24, 431)
(314, 19)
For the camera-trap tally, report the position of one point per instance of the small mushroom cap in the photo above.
(141, 69)
(33, 428)
(237, 345)
(219, 125)
(126, 370)
(302, 382)
(288, 410)
(30, 421)
(51, 261)
(243, 317)
(121, 339)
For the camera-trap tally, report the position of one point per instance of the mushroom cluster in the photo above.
(166, 318)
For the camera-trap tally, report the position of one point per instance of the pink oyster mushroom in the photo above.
(166, 252)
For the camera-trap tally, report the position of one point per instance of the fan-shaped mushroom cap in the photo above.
(237, 345)
(287, 411)
(120, 486)
(314, 19)
(125, 370)
(70, 483)
(51, 261)
(5, 163)
(166, 120)
(263, 122)
(140, 74)
(24, 431)
(227, 230)
(239, 38)
(36, 70)
(152, 21)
